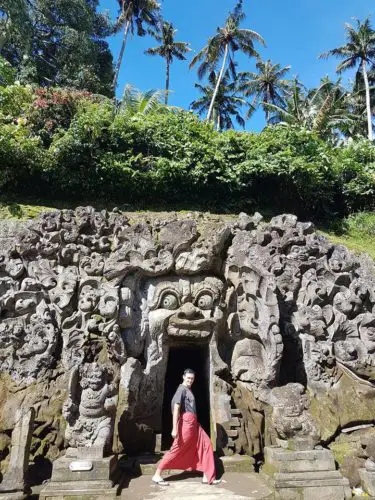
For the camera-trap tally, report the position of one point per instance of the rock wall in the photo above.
(90, 305)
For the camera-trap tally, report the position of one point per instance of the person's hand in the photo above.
(174, 433)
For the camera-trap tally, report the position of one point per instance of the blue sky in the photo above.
(296, 32)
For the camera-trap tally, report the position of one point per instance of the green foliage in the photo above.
(356, 167)
(166, 157)
(15, 102)
(21, 159)
(7, 73)
(60, 43)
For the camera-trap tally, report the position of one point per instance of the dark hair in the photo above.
(189, 370)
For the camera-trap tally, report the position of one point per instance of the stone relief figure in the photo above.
(28, 344)
(253, 319)
(295, 427)
(90, 407)
(255, 328)
(80, 289)
(171, 309)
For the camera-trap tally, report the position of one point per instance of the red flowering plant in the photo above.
(53, 109)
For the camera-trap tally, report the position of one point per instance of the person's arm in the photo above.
(176, 414)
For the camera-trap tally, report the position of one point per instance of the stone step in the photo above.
(84, 490)
(238, 463)
(232, 433)
(235, 411)
(300, 476)
(309, 479)
(235, 422)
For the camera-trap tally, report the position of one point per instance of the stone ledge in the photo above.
(84, 490)
(102, 469)
(16, 495)
(299, 461)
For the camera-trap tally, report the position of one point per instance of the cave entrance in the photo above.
(181, 357)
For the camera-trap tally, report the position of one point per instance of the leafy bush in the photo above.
(21, 160)
(94, 150)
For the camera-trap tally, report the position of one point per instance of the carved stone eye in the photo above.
(204, 301)
(169, 301)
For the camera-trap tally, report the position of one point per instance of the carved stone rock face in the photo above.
(249, 361)
(290, 417)
(184, 307)
(89, 294)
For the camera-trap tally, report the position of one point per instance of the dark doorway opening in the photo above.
(182, 357)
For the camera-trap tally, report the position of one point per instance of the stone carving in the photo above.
(89, 409)
(294, 426)
(15, 478)
(89, 293)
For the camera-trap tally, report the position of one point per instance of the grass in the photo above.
(357, 243)
(357, 232)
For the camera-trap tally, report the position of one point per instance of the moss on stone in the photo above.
(342, 450)
(269, 469)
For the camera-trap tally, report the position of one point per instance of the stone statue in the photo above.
(89, 409)
(294, 426)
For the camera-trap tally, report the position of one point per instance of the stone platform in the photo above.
(305, 475)
(16, 495)
(146, 464)
(188, 486)
(89, 479)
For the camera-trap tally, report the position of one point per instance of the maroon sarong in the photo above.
(191, 448)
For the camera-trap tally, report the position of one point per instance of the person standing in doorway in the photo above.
(191, 448)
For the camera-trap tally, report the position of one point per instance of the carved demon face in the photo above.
(93, 376)
(88, 298)
(184, 307)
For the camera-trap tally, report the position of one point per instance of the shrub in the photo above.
(94, 150)
(21, 160)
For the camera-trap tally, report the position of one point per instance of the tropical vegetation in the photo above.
(169, 49)
(64, 135)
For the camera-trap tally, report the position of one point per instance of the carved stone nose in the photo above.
(189, 311)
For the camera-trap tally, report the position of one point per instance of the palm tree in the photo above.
(358, 102)
(228, 40)
(136, 102)
(359, 52)
(267, 86)
(228, 102)
(134, 14)
(169, 49)
(325, 110)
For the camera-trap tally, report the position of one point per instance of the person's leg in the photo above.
(157, 477)
(206, 462)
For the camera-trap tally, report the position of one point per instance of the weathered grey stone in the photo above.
(367, 481)
(90, 409)
(295, 427)
(90, 295)
(82, 490)
(14, 479)
(84, 482)
(299, 461)
(305, 474)
(101, 469)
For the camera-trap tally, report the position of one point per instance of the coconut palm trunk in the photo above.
(368, 101)
(267, 116)
(220, 77)
(167, 81)
(121, 55)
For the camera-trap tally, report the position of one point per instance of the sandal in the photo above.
(161, 482)
(215, 481)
